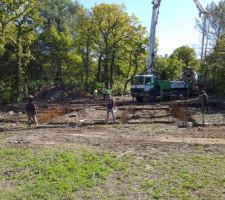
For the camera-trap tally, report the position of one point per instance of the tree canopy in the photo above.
(58, 42)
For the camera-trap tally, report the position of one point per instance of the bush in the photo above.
(5, 92)
(118, 87)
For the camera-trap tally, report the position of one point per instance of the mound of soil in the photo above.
(61, 93)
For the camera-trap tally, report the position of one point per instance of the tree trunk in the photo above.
(58, 73)
(82, 69)
(19, 70)
(112, 68)
(106, 71)
(87, 65)
(98, 77)
(135, 71)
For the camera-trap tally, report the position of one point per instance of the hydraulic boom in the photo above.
(155, 14)
(151, 51)
(201, 9)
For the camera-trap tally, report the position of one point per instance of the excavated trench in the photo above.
(88, 112)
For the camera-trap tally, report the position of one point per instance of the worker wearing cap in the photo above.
(204, 101)
(31, 111)
(110, 104)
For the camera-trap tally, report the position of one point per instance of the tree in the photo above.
(214, 25)
(59, 51)
(9, 12)
(187, 56)
(58, 29)
(59, 42)
(217, 21)
(113, 43)
(60, 13)
(19, 22)
(132, 55)
(216, 65)
(168, 68)
(111, 26)
(85, 44)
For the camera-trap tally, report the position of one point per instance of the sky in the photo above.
(176, 23)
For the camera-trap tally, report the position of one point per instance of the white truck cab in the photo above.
(144, 86)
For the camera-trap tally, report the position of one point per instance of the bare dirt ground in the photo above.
(83, 123)
(109, 139)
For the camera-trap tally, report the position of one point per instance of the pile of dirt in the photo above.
(61, 93)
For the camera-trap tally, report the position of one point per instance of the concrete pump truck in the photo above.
(148, 86)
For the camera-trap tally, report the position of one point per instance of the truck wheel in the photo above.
(139, 99)
(152, 98)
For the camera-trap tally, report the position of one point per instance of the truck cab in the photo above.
(144, 86)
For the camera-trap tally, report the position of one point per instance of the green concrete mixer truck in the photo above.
(149, 87)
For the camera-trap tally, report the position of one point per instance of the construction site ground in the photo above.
(142, 131)
(84, 121)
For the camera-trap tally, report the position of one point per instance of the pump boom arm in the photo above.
(151, 50)
(155, 14)
(201, 9)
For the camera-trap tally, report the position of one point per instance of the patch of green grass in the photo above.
(180, 176)
(148, 183)
(52, 174)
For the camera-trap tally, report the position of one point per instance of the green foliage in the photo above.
(34, 86)
(19, 20)
(187, 56)
(212, 70)
(118, 87)
(168, 68)
(60, 14)
(60, 52)
(132, 55)
(118, 41)
(60, 42)
(5, 92)
(216, 66)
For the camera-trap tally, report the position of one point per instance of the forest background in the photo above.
(60, 42)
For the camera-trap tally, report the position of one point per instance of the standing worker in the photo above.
(204, 101)
(110, 105)
(31, 111)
